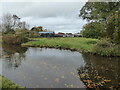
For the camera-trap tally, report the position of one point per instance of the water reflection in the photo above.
(100, 72)
(53, 68)
(13, 55)
(44, 68)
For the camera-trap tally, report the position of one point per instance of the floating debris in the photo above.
(57, 80)
(62, 76)
(45, 78)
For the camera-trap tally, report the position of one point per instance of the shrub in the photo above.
(21, 38)
(10, 31)
(14, 39)
(33, 35)
(104, 47)
(104, 43)
(93, 30)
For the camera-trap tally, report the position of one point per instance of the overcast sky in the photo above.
(55, 16)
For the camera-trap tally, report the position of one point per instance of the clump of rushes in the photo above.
(5, 83)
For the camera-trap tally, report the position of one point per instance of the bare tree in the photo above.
(12, 22)
(6, 22)
(16, 21)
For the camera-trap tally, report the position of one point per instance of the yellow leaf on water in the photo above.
(42, 75)
(65, 84)
(62, 76)
(45, 78)
(57, 80)
(24, 77)
(107, 80)
(55, 67)
(82, 75)
(71, 86)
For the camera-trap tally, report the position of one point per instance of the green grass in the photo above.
(82, 44)
(5, 83)
(90, 45)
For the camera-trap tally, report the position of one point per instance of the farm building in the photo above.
(60, 35)
(46, 34)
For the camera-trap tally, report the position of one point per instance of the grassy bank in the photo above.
(94, 46)
(5, 83)
(82, 44)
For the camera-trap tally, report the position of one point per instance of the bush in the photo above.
(21, 38)
(104, 43)
(14, 39)
(104, 47)
(10, 31)
(93, 30)
(33, 35)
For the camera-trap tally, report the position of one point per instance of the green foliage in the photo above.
(106, 13)
(98, 10)
(33, 34)
(21, 38)
(93, 30)
(21, 31)
(8, 84)
(9, 31)
(14, 39)
(113, 27)
(106, 48)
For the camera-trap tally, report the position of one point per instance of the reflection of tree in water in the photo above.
(13, 55)
(100, 72)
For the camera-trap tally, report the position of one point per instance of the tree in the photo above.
(7, 23)
(98, 10)
(39, 28)
(93, 30)
(16, 21)
(11, 23)
(106, 13)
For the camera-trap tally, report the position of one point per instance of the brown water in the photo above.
(54, 68)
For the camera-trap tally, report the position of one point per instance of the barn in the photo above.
(46, 34)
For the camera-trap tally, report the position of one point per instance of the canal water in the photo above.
(53, 68)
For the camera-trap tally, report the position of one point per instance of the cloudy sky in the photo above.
(55, 16)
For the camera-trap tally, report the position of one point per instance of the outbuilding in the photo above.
(46, 34)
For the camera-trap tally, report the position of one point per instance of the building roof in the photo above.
(45, 32)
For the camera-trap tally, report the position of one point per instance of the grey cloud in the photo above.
(50, 9)
(58, 16)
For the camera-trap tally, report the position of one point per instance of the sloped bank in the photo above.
(5, 83)
(86, 45)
